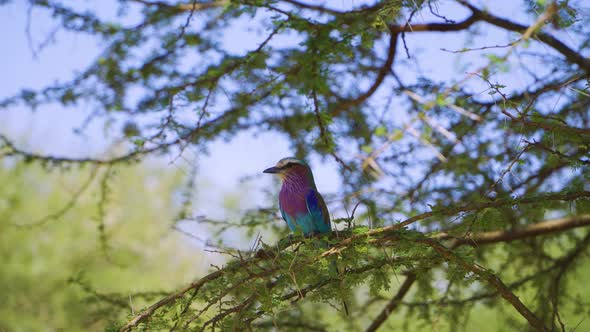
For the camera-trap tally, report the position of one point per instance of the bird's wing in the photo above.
(318, 210)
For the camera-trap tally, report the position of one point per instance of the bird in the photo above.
(301, 205)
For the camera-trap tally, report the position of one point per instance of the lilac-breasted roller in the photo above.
(300, 203)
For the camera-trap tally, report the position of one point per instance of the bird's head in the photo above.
(291, 168)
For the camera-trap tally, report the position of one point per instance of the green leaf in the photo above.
(380, 131)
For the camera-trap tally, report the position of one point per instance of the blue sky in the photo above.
(49, 130)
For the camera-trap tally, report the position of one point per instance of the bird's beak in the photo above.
(272, 170)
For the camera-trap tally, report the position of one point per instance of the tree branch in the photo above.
(542, 228)
(384, 231)
(145, 314)
(394, 303)
(326, 10)
(435, 27)
(383, 71)
(480, 15)
(564, 264)
(183, 6)
(493, 280)
(570, 54)
(546, 227)
(535, 230)
(560, 263)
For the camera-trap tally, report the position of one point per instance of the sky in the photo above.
(49, 130)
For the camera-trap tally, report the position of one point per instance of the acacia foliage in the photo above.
(500, 145)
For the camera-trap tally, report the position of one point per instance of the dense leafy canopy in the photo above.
(472, 182)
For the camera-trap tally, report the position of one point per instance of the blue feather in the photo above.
(318, 212)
